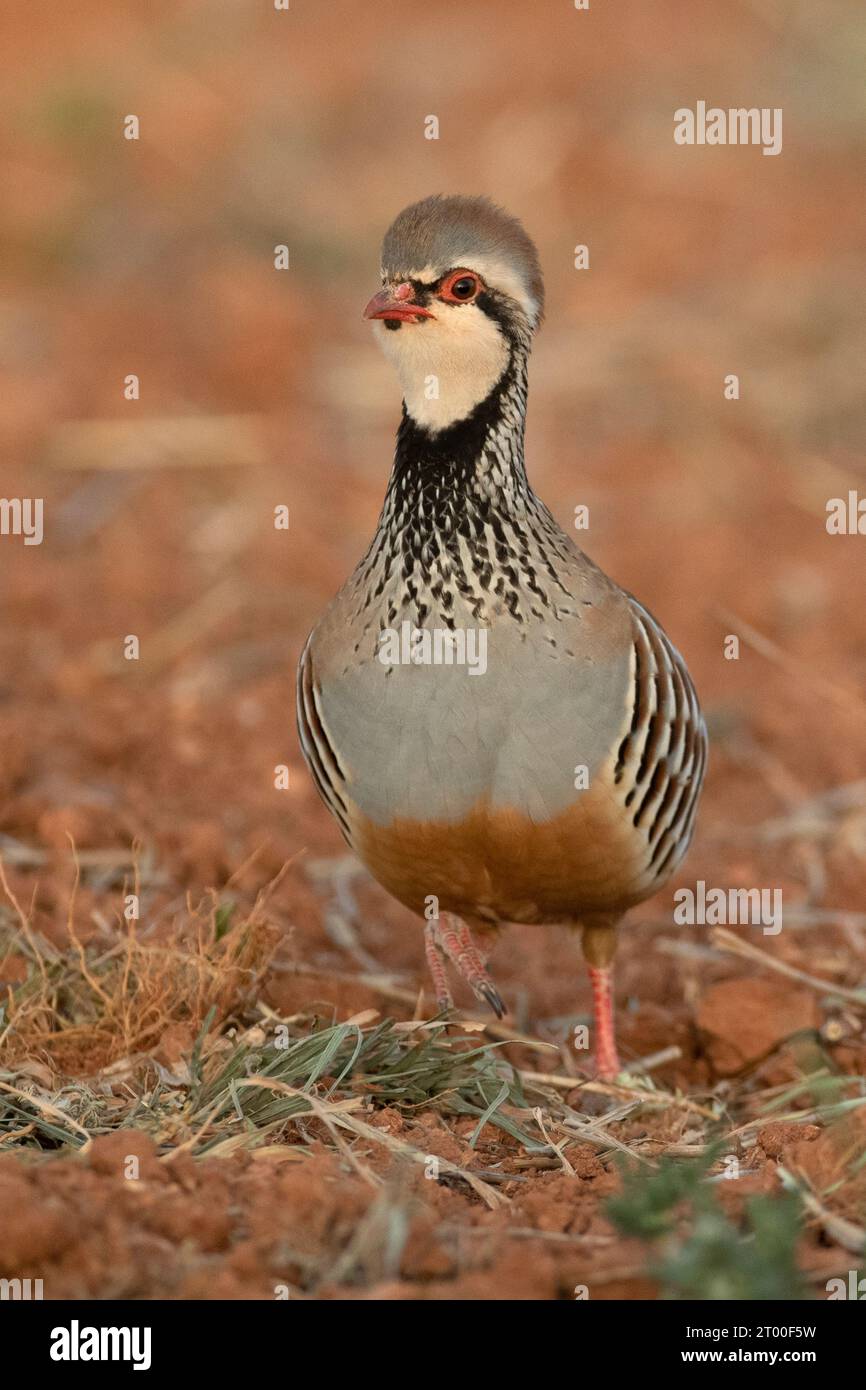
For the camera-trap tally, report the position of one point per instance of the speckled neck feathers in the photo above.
(461, 534)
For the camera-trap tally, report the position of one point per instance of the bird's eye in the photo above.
(460, 287)
(463, 288)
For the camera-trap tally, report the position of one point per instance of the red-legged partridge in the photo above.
(502, 733)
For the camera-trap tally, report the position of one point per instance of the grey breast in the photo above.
(431, 741)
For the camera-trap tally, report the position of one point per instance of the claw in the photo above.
(491, 994)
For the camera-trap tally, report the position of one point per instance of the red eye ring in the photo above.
(460, 287)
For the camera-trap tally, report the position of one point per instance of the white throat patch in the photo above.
(446, 364)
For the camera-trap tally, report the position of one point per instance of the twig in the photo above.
(727, 941)
(612, 1088)
(848, 1235)
(657, 1059)
(558, 1149)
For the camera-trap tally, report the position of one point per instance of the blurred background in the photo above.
(261, 387)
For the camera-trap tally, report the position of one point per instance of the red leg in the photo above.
(599, 948)
(606, 1057)
(465, 938)
(437, 967)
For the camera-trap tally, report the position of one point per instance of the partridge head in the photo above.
(461, 291)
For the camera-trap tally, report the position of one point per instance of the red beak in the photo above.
(395, 302)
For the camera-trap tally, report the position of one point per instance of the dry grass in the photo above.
(78, 1012)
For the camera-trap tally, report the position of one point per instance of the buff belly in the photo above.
(497, 865)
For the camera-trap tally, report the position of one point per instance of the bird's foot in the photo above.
(450, 938)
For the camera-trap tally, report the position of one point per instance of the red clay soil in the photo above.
(276, 1226)
(159, 261)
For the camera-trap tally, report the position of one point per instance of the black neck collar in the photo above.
(491, 434)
